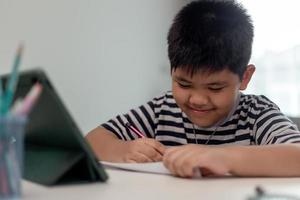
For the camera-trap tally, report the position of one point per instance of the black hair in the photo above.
(211, 35)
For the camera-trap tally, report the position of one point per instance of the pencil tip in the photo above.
(20, 48)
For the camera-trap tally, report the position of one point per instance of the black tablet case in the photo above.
(55, 150)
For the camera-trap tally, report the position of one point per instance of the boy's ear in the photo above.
(247, 76)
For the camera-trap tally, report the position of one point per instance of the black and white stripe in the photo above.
(255, 121)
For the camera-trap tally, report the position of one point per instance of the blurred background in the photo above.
(105, 57)
(276, 52)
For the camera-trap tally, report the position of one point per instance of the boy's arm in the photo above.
(109, 148)
(104, 144)
(269, 160)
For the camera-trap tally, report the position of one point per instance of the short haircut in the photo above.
(211, 35)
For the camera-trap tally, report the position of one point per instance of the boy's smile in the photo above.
(207, 97)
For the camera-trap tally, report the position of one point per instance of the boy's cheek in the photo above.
(180, 97)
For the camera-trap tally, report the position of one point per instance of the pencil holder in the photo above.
(11, 156)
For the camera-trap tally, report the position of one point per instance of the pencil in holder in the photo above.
(11, 156)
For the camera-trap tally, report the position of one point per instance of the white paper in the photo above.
(153, 167)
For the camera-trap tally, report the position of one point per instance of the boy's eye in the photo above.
(184, 85)
(216, 89)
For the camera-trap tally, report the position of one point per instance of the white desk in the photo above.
(134, 185)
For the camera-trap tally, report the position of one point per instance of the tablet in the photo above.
(55, 149)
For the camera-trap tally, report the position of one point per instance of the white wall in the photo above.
(103, 56)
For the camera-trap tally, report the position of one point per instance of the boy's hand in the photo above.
(184, 160)
(143, 150)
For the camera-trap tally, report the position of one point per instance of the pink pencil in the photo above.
(3, 181)
(135, 130)
(24, 107)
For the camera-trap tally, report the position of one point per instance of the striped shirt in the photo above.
(254, 120)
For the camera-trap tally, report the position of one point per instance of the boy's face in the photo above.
(206, 98)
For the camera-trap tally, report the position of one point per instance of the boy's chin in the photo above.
(204, 123)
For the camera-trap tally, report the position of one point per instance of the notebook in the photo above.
(55, 150)
(149, 167)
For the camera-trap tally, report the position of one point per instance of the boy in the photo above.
(208, 121)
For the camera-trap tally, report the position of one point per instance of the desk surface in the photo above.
(135, 185)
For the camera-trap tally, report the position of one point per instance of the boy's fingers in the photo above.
(146, 150)
(175, 159)
(160, 148)
(157, 156)
(139, 158)
(151, 153)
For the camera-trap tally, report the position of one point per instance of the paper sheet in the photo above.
(154, 167)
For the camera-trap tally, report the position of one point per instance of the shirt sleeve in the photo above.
(273, 127)
(142, 118)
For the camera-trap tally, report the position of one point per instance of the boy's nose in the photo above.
(198, 99)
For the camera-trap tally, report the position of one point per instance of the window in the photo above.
(276, 52)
